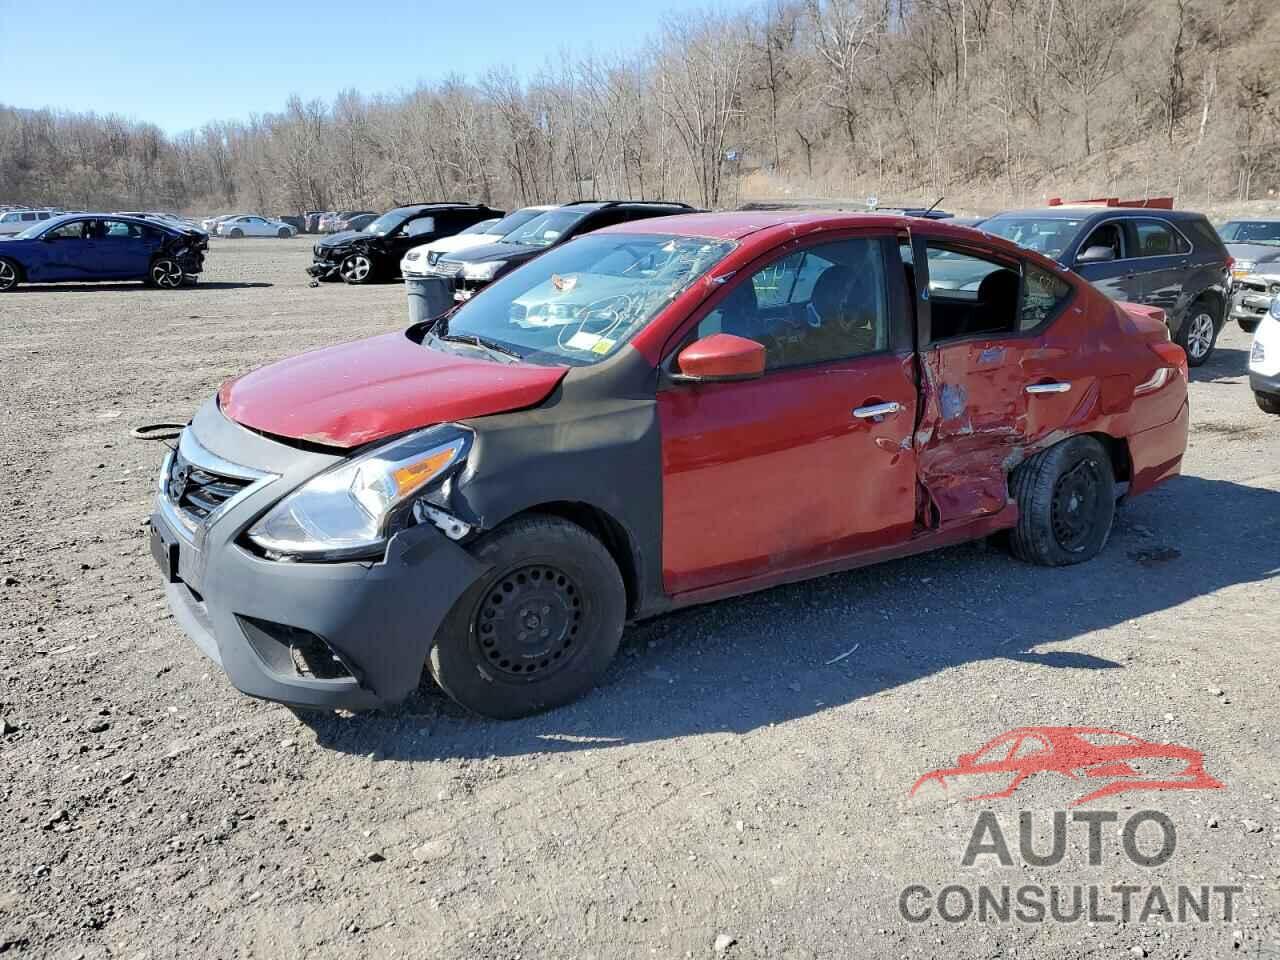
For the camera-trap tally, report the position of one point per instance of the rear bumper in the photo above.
(351, 635)
(1156, 454)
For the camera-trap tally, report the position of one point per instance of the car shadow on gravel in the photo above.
(742, 664)
(1227, 364)
(130, 285)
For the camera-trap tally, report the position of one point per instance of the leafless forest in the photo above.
(983, 101)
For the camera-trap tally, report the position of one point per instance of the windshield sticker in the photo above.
(563, 284)
(585, 341)
(603, 345)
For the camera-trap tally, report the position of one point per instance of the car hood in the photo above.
(497, 251)
(459, 241)
(345, 237)
(355, 393)
(1256, 252)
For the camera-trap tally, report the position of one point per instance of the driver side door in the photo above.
(772, 478)
(1117, 278)
(70, 252)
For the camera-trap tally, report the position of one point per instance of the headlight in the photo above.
(411, 255)
(483, 271)
(1274, 309)
(1242, 268)
(1258, 354)
(350, 510)
(1273, 289)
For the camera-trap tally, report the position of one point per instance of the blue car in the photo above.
(95, 246)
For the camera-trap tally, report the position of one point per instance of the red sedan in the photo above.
(654, 415)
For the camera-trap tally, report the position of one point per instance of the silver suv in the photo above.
(15, 221)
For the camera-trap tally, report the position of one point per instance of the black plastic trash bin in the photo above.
(428, 297)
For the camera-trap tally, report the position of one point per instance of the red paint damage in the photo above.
(354, 393)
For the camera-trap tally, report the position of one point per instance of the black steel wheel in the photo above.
(1066, 503)
(539, 629)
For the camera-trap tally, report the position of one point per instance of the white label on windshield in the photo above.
(583, 341)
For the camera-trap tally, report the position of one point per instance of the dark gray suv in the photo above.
(1172, 259)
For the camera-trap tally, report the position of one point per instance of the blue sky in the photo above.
(180, 64)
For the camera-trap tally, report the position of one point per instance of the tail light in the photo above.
(1231, 262)
(1174, 358)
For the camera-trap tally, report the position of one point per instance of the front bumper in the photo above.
(264, 621)
(1249, 305)
(1264, 383)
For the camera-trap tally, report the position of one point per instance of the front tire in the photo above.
(283, 233)
(237, 233)
(357, 268)
(1199, 333)
(165, 274)
(539, 629)
(9, 275)
(1066, 503)
(1249, 326)
(1267, 402)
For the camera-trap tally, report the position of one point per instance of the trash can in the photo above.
(428, 297)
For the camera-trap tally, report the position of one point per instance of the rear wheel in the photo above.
(1199, 333)
(539, 629)
(8, 274)
(237, 233)
(357, 268)
(1066, 502)
(165, 273)
(1267, 402)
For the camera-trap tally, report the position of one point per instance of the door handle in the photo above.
(1048, 388)
(877, 410)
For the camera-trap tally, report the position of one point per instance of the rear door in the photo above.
(122, 251)
(1004, 367)
(1117, 278)
(812, 462)
(1162, 258)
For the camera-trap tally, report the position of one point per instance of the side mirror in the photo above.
(1096, 254)
(719, 357)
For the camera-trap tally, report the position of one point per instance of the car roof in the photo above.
(1084, 211)
(738, 224)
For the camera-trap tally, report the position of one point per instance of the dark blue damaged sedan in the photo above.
(93, 247)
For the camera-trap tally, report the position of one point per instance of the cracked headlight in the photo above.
(351, 509)
(486, 270)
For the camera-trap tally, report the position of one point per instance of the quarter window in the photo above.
(816, 305)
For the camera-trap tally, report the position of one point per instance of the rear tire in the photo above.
(1066, 503)
(1268, 402)
(539, 629)
(10, 274)
(165, 273)
(1199, 333)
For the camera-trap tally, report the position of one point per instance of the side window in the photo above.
(1156, 239)
(68, 231)
(971, 295)
(44, 216)
(824, 303)
(420, 226)
(1107, 235)
(1042, 294)
(119, 230)
(28, 218)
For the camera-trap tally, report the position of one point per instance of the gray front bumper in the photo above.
(379, 618)
(1249, 305)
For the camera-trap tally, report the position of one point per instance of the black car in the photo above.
(475, 267)
(1172, 259)
(362, 256)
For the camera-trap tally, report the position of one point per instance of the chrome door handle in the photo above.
(1049, 388)
(877, 410)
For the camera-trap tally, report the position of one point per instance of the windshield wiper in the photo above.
(489, 346)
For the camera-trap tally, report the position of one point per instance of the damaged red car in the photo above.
(654, 415)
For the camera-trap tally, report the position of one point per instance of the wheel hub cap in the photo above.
(526, 626)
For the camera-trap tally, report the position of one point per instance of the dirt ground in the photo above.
(735, 788)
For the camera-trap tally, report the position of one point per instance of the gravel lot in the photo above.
(729, 791)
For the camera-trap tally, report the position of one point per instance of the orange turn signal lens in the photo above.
(413, 475)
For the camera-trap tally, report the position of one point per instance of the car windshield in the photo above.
(1048, 235)
(1252, 231)
(579, 303)
(36, 229)
(514, 221)
(484, 226)
(387, 222)
(546, 229)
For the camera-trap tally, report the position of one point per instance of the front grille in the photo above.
(1253, 286)
(446, 268)
(198, 492)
